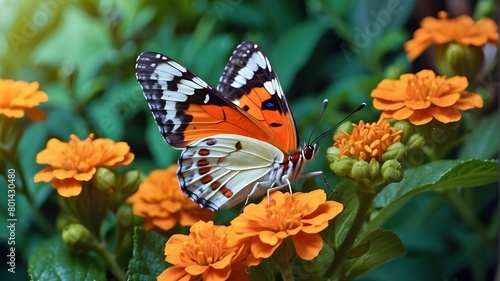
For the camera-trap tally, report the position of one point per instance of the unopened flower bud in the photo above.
(404, 126)
(455, 59)
(374, 166)
(104, 179)
(394, 151)
(343, 166)
(392, 171)
(415, 141)
(332, 153)
(125, 216)
(77, 237)
(360, 170)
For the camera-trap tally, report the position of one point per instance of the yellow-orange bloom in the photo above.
(443, 30)
(74, 162)
(210, 253)
(300, 217)
(161, 202)
(18, 98)
(367, 140)
(423, 96)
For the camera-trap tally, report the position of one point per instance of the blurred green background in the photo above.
(83, 54)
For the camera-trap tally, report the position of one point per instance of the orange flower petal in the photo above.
(425, 95)
(45, 175)
(420, 117)
(174, 273)
(63, 174)
(67, 187)
(446, 115)
(307, 245)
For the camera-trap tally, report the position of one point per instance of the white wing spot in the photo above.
(164, 68)
(207, 98)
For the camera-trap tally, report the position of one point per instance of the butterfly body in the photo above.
(238, 140)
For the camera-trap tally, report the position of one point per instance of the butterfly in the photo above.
(238, 140)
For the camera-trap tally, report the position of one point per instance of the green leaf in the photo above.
(340, 225)
(52, 260)
(264, 271)
(481, 144)
(148, 260)
(437, 175)
(293, 50)
(313, 269)
(382, 246)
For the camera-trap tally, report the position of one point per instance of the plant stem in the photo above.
(365, 200)
(469, 218)
(110, 262)
(40, 219)
(287, 273)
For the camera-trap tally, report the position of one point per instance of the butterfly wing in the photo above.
(220, 171)
(187, 109)
(250, 82)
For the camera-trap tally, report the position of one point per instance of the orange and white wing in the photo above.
(250, 82)
(187, 109)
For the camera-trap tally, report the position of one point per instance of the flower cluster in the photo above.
(443, 30)
(18, 98)
(76, 161)
(223, 253)
(162, 204)
(424, 96)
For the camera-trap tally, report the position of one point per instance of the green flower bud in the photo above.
(392, 171)
(455, 59)
(332, 153)
(77, 237)
(104, 179)
(374, 166)
(415, 141)
(406, 127)
(360, 170)
(396, 150)
(129, 182)
(343, 166)
(125, 216)
(346, 127)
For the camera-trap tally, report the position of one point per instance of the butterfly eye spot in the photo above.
(202, 162)
(238, 146)
(211, 141)
(203, 152)
(226, 192)
(215, 185)
(204, 170)
(269, 105)
(206, 179)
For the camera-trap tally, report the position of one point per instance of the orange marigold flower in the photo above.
(423, 96)
(74, 162)
(18, 98)
(210, 253)
(161, 202)
(462, 29)
(300, 217)
(367, 140)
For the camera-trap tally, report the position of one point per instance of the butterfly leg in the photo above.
(279, 187)
(317, 173)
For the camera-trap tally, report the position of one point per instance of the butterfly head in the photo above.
(309, 151)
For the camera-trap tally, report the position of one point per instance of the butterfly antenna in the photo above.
(325, 104)
(329, 131)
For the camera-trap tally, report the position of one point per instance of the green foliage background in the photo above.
(83, 54)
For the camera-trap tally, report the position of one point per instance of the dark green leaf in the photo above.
(339, 226)
(482, 142)
(437, 175)
(263, 271)
(313, 269)
(293, 49)
(383, 246)
(148, 259)
(52, 260)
